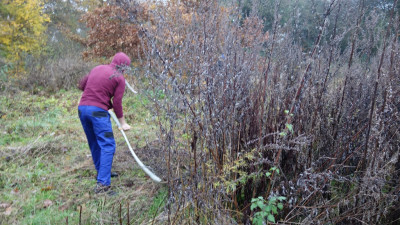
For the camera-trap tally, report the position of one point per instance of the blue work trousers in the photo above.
(97, 126)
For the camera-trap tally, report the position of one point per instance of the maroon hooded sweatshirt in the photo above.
(103, 83)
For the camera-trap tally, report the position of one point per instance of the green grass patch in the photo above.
(158, 202)
(46, 172)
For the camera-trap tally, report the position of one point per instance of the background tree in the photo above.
(59, 64)
(23, 24)
(114, 27)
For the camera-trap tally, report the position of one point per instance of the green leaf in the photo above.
(260, 204)
(257, 215)
(258, 218)
(268, 174)
(263, 214)
(289, 127)
(258, 221)
(283, 134)
(286, 111)
(281, 198)
(271, 218)
(253, 206)
(274, 209)
(280, 206)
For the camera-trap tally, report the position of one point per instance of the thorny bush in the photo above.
(233, 101)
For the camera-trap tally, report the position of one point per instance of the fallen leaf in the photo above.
(63, 207)
(15, 191)
(8, 211)
(48, 188)
(66, 205)
(47, 203)
(4, 205)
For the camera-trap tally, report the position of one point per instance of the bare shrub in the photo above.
(233, 101)
(55, 74)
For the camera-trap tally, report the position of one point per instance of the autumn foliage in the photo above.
(20, 31)
(114, 28)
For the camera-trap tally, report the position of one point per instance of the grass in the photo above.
(46, 172)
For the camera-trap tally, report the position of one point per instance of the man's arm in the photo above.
(82, 82)
(117, 104)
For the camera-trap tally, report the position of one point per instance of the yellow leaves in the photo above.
(187, 17)
(152, 7)
(234, 172)
(22, 27)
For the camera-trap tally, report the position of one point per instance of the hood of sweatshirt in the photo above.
(120, 59)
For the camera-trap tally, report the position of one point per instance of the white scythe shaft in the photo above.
(130, 87)
(144, 168)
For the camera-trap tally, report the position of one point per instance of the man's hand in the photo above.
(124, 125)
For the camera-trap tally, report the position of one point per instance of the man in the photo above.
(103, 89)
